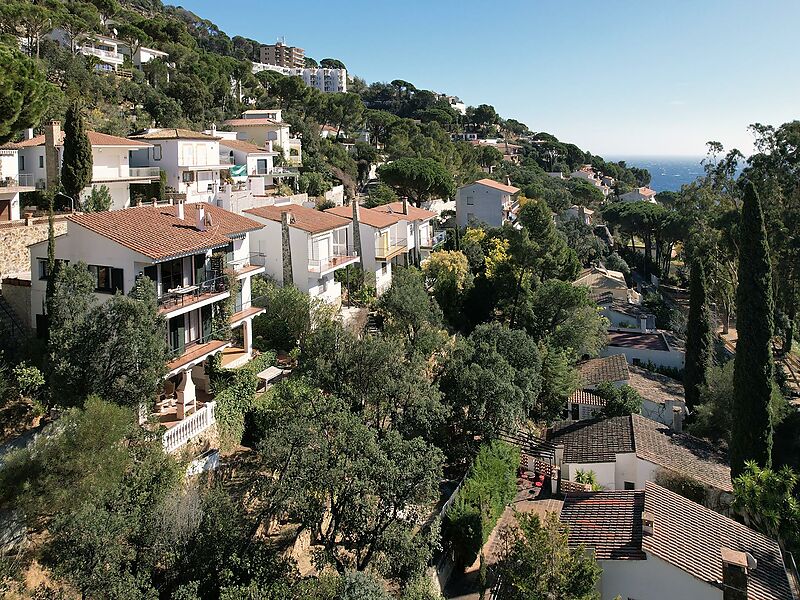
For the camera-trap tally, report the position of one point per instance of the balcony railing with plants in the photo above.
(189, 294)
(21, 180)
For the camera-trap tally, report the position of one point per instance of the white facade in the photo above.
(642, 194)
(263, 127)
(145, 55)
(482, 203)
(11, 184)
(325, 80)
(105, 49)
(652, 579)
(662, 354)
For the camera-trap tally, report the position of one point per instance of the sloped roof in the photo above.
(599, 277)
(307, 219)
(587, 398)
(509, 189)
(95, 139)
(655, 387)
(254, 121)
(369, 216)
(416, 214)
(594, 440)
(174, 133)
(607, 369)
(637, 340)
(157, 232)
(243, 146)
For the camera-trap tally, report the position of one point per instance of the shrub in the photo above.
(29, 379)
(490, 485)
(588, 477)
(287, 318)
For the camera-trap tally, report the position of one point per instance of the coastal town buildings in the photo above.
(282, 55)
(325, 80)
(640, 194)
(12, 183)
(485, 201)
(261, 127)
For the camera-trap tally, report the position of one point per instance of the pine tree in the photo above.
(751, 436)
(699, 344)
(76, 167)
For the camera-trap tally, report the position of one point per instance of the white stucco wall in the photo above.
(651, 579)
(674, 359)
(605, 472)
(481, 203)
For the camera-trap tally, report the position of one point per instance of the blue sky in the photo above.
(616, 77)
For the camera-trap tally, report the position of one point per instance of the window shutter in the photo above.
(116, 281)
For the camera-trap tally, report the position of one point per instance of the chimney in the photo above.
(735, 567)
(52, 138)
(28, 133)
(405, 205)
(643, 323)
(213, 130)
(648, 524)
(508, 181)
(201, 217)
(357, 230)
(677, 419)
(179, 210)
(286, 248)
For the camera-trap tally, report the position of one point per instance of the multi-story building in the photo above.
(282, 55)
(197, 255)
(640, 194)
(190, 159)
(105, 49)
(303, 246)
(261, 127)
(421, 237)
(325, 80)
(11, 183)
(485, 201)
(40, 160)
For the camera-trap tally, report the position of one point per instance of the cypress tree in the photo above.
(76, 167)
(751, 435)
(699, 341)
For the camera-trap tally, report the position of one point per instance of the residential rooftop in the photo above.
(601, 370)
(417, 214)
(594, 440)
(369, 216)
(509, 189)
(253, 121)
(637, 340)
(173, 133)
(587, 398)
(305, 218)
(655, 387)
(243, 146)
(96, 139)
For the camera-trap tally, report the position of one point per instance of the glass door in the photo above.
(177, 334)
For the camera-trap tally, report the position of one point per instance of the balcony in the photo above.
(104, 55)
(185, 429)
(21, 183)
(226, 160)
(245, 267)
(336, 261)
(145, 172)
(387, 251)
(190, 296)
(438, 237)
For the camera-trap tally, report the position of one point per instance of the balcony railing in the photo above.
(116, 56)
(432, 241)
(387, 251)
(144, 171)
(226, 160)
(186, 295)
(321, 265)
(284, 171)
(21, 180)
(193, 425)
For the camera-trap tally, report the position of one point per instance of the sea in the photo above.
(668, 173)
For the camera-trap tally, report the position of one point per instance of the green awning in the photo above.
(239, 171)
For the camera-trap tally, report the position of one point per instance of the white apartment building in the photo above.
(304, 244)
(383, 240)
(190, 159)
(144, 55)
(485, 201)
(105, 49)
(40, 160)
(325, 80)
(11, 183)
(260, 127)
(455, 103)
(186, 251)
(420, 235)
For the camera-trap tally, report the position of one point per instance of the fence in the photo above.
(194, 425)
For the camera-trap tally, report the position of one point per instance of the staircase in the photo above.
(12, 331)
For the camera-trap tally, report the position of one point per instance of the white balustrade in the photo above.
(191, 426)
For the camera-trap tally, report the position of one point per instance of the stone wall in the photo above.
(16, 236)
(17, 293)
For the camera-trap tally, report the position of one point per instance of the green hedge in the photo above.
(235, 393)
(489, 487)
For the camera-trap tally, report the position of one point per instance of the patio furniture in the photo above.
(269, 377)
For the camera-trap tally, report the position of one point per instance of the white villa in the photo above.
(262, 126)
(40, 160)
(105, 49)
(420, 234)
(485, 201)
(304, 244)
(12, 183)
(641, 194)
(605, 282)
(186, 251)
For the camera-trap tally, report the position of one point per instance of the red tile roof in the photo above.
(600, 370)
(417, 214)
(256, 121)
(369, 216)
(173, 133)
(587, 398)
(156, 231)
(242, 146)
(95, 139)
(307, 219)
(510, 189)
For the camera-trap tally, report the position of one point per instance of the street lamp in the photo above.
(70, 198)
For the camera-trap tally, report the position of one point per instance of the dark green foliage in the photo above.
(76, 166)
(620, 401)
(380, 194)
(751, 436)
(409, 311)
(418, 178)
(23, 92)
(683, 485)
(287, 318)
(560, 379)
(490, 485)
(699, 341)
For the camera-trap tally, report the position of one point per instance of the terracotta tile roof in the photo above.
(510, 189)
(681, 452)
(654, 386)
(646, 191)
(369, 216)
(594, 440)
(10, 146)
(156, 231)
(609, 522)
(691, 538)
(417, 214)
(95, 139)
(254, 121)
(242, 146)
(637, 340)
(173, 133)
(607, 301)
(587, 398)
(600, 370)
(307, 219)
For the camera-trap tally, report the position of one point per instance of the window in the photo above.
(576, 415)
(43, 274)
(171, 274)
(188, 176)
(157, 152)
(107, 280)
(470, 201)
(41, 162)
(21, 163)
(629, 485)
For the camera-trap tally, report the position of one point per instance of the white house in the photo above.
(305, 244)
(262, 126)
(325, 80)
(12, 183)
(190, 159)
(381, 242)
(659, 347)
(40, 160)
(455, 103)
(641, 194)
(105, 49)
(485, 201)
(420, 235)
(247, 161)
(193, 253)
(661, 395)
(653, 544)
(144, 55)
(604, 282)
(624, 315)
(625, 452)
(587, 173)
